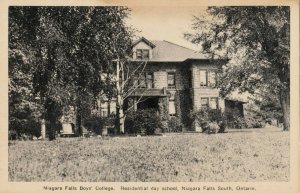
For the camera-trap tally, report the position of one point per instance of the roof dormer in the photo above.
(142, 49)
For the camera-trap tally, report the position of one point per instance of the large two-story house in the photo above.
(176, 81)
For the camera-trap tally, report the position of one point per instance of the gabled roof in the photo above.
(165, 51)
(142, 39)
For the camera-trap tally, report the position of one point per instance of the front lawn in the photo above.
(188, 157)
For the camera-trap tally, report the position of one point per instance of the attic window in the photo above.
(142, 54)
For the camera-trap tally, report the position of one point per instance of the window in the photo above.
(204, 103)
(142, 54)
(139, 54)
(208, 78)
(172, 108)
(104, 113)
(171, 80)
(214, 103)
(142, 81)
(149, 80)
(203, 78)
(136, 81)
(212, 78)
(146, 54)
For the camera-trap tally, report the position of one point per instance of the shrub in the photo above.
(207, 117)
(238, 123)
(143, 121)
(255, 122)
(24, 127)
(174, 125)
(235, 120)
(96, 123)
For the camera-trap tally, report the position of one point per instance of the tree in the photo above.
(24, 108)
(70, 55)
(266, 106)
(256, 40)
(129, 78)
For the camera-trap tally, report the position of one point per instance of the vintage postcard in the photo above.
(150, 96)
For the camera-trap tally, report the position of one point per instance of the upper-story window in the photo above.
(149, 80)
(171, 80)
(142, 54)
(212, 78)
(208, 78)
(142, 81)
(145, 80)
(203, 78)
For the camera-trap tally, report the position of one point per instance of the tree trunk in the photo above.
(51, 118)
(120, 113)
(285, 105)
(120, 119)
(78, 118)
(52, 128)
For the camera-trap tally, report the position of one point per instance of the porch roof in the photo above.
(149, 92)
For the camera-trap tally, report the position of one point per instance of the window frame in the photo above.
(217, 102)
(173, 86)
(143, 81)
(215, 77)
(206, 78)
(140, 54)
(207, 105)
(151, 79)
(104, 112)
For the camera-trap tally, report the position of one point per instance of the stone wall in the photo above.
(198, 91)
(160, 72)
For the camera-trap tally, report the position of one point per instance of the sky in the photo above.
(165, 22)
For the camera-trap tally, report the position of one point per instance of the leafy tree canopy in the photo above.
(256, 40)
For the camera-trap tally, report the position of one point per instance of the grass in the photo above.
(190, 157)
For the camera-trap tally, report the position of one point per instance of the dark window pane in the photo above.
(171, 80)
(142, 54)
(204, 103)
(139, 54)
(145, 54)
(203, 78)
(149, 77)
(142, 82)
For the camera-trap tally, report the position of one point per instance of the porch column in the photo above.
(134, 104)
(43, 129)
(222, 104)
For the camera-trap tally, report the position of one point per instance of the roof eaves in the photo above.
(180, 46)
(145, 40)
